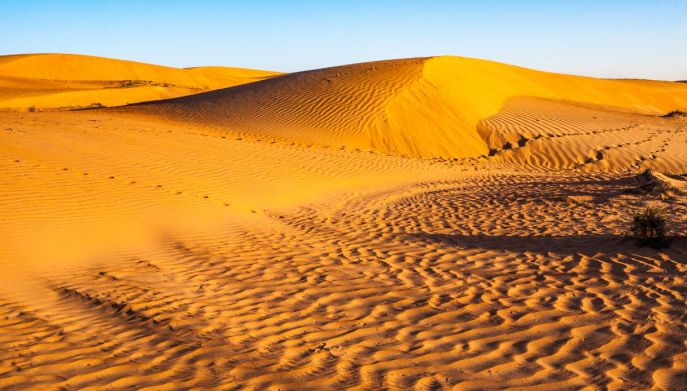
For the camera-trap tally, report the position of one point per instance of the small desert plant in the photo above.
(649, 227)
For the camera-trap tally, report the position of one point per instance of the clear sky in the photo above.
(642, 39)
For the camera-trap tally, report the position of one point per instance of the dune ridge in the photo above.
(424, 107)
(63, 81)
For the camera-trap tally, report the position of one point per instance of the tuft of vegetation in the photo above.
(139, 83)
(94, 105)
(649, 227)
(675, 114)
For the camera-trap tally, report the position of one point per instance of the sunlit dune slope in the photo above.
(49, 81)
(424, 107)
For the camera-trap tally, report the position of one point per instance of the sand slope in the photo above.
(49, 81)
(538, 133)
(426, 107)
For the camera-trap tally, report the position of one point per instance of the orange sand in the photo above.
(68, 81)
(426, 107)
(440, 223)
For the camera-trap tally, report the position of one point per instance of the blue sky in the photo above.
(642, 39)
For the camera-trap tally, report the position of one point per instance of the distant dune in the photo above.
(64, 81)
(424, 107)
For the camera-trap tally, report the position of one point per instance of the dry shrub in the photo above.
(649, 227)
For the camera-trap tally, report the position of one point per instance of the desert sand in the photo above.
(67, 81)
(431, 223)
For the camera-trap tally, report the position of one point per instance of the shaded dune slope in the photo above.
(48, 81)
(424, 107)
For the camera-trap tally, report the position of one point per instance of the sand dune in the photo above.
(426, 107)
(63, 81)
(236, 239)
(548, 134)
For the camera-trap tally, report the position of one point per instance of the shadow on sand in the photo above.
(588, 245)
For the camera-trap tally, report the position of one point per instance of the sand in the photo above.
(409, 224)
(425, 107)
(68, 81)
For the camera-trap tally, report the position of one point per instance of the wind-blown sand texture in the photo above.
(68, 81)
(440, 223)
